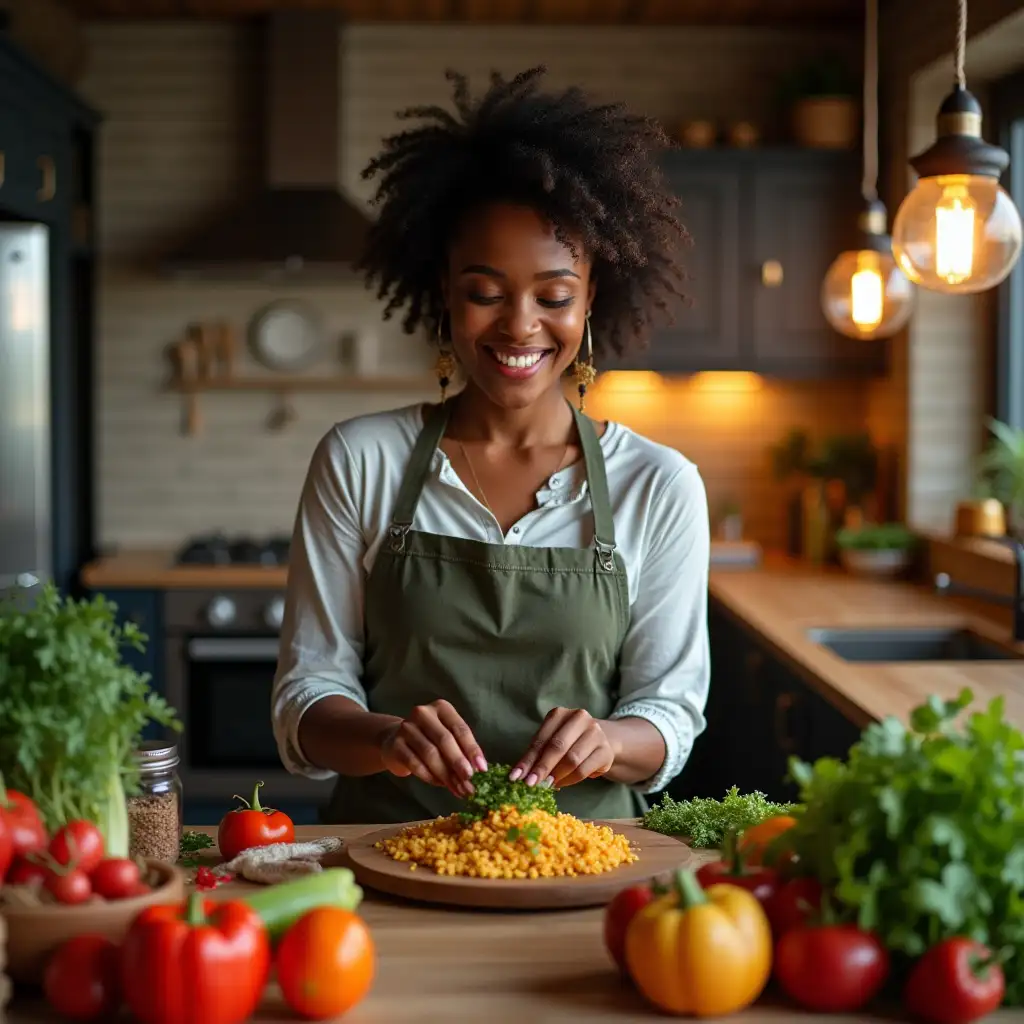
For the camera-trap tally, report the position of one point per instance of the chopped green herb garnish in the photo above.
(493, 790)
(191, 843)
(530, 832)
(705, 821)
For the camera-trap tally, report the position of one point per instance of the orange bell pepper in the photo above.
(700, 952)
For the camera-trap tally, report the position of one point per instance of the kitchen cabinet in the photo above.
(46, 177)
(765, 225)
(759, 714)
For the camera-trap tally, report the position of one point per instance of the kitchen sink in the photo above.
(911, 644)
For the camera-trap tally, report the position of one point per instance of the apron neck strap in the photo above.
(418, 469)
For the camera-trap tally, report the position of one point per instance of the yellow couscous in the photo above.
(508, 844)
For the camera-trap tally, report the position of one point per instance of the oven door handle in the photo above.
(233, 649)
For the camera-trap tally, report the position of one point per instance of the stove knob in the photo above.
(221, 611)
(273, 614)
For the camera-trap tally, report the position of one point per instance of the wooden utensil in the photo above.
(658, 855)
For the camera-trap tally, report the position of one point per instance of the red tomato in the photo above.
(23, 821)
(79, 843)
(139, 889)
(252, 825)
(81, 979)
(326, 963)
(68, 886)
(955, 982)
(793, 904)
(617, 915)
(25, 872)
(114, 878)
(831, 968)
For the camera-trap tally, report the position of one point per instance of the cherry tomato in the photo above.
(793, 903)
(326, 963)
(68, 886)
(617, 915)
(754, 841)
(25, 872)
(78, 842)
(831, 968)
(114, 878)
(139, 889)
(955, 982)
(23, 821)
(81, 979)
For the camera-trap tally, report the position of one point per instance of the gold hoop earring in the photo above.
(583, 372)
(445, 365)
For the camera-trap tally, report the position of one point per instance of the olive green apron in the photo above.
(504, 633)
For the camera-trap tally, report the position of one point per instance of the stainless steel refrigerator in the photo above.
(26, 508)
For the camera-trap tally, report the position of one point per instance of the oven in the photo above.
(221, 651)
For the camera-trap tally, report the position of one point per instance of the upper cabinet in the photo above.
(765, 225)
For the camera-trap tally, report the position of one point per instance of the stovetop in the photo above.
(218, 549)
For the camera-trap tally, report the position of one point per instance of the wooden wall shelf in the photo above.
(286, 385)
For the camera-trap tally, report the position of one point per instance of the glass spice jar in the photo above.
(154, 813)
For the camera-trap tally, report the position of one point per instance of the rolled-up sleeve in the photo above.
(665, 664)
(321, 646)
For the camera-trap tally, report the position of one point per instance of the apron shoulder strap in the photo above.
(597, 481)
(418, 468)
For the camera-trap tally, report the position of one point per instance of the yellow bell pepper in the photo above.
(700, 952)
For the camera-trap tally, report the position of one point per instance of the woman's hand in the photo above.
(435, 745)
(570, 746)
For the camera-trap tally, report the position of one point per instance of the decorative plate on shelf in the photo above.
(286, 335)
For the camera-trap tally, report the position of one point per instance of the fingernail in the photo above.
(467, 769)
(515, 774)
(481, 764)
(531, 779)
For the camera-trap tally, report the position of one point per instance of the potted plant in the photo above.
(72, 712)
(821, 97)
(876, 549)
(1001, 470)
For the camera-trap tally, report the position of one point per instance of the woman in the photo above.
(496, 578)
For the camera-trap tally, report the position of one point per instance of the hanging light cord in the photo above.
(961, 43)
(869, 183)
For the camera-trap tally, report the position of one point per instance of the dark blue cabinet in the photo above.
(765, 224)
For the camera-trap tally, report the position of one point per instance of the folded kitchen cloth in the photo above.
(279, 862)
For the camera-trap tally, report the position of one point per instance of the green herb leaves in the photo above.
(705, 821)
(530, 832)
(191, 843)
(493, 790)
(921, 830)
(71, 712)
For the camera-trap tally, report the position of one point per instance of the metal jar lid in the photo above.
(155, 756)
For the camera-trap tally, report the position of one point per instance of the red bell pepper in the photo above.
(253, 825)
(732, 869)
(22, 820)
(623, 907)
(793, 904)
(198, 961)
(955, 982)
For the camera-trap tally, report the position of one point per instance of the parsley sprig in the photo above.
(706, 821)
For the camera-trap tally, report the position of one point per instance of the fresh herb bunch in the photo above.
(191, 843)
(493, 790)
(705, 821)
(921, 830)
(71, 711)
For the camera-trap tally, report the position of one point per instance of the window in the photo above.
(1008, 104)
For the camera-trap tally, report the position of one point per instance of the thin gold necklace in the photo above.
(476, 479)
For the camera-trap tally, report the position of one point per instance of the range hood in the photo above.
(301, 225)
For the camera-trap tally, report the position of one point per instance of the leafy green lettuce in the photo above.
(921, 830)
(71, 711)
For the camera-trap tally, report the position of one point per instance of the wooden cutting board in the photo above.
(658, 856)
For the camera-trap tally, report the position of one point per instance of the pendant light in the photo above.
(865, 294)
(958, 231)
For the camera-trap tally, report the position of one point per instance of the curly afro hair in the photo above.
(590, 170)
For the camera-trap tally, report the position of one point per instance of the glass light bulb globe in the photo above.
(957, 233)
(865, 295)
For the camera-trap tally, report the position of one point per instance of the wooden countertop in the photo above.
(779, 603)
(155, 569)
(455, 965)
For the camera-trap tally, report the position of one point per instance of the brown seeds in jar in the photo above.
(154, 825)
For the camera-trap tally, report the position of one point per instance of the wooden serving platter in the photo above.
(658, 856)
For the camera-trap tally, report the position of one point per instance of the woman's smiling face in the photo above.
(517, 303)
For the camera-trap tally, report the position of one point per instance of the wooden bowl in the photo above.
(34, 933)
